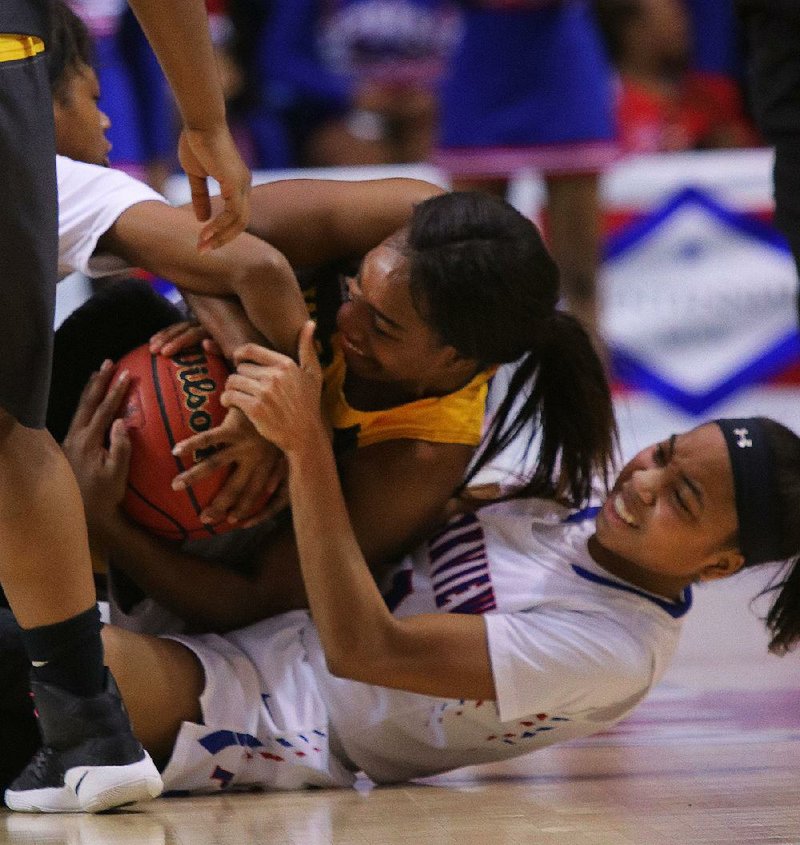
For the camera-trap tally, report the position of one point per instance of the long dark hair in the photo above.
(783, 618)
(482, 277)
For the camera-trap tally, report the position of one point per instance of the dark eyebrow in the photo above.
(393, 323)
(692, 485)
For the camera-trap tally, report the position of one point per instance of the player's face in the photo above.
(80, 125)
(671, 513)
(383, 336)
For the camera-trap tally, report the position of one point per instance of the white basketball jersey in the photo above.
(572, 648)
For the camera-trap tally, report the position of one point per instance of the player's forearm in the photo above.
(206, 596)
(264, 283)
(354, 625)
(225, 320)
(272, 299)
(178, 32)
(315, 221)
(432, 654)
(162, 240)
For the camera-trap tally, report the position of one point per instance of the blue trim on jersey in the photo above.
(584, 514)
(675, 609)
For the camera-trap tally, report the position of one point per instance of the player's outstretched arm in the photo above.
(314, 221)
(178, 31)
(161, 239)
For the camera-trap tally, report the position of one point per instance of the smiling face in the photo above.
(385, 339)
(671, 517)
(80, 125)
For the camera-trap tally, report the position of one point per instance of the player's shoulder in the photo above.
(83, 175)
(82, 185)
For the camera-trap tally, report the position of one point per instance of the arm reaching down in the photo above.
(178, 32)
(161, 239)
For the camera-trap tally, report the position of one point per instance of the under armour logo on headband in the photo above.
(752, 466)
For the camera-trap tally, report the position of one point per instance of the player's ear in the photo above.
(724, 563)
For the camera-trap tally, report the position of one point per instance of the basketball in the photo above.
(169, 400)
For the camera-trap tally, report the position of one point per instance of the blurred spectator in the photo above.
(354, 80)
(716, 37)
(663, 103)
(134, 95)
(233, 24)
(530, 87)
(773, 52)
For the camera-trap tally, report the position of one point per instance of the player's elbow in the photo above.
(364, 657)
(345, 666)
(251, 267)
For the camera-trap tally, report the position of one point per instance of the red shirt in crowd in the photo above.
(706, 113)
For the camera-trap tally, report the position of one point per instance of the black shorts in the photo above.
(28, 235)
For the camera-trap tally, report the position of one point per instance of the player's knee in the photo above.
(7, 425)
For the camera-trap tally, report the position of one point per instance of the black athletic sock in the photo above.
(69, 654)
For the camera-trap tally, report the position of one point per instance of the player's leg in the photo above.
(161, 683)
(574, 237)
(46, 573)
(44, 557)
(19, 732)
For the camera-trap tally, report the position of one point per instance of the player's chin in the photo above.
(607, 531)
(100, 159)
(362, 365)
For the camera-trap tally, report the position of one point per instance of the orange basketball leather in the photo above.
(171, 399)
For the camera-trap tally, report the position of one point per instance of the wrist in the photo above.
(210, 122)
(310, 447)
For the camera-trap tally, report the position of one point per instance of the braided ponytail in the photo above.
(482, 277)
(566, 401)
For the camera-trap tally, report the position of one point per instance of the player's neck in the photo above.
(667, 586)
(367, 395)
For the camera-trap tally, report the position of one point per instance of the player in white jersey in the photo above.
(572, 651)
(514, 627)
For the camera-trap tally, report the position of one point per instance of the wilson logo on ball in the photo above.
(196, 385)
(170, 400)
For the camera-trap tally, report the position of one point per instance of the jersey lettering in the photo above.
(460, 567)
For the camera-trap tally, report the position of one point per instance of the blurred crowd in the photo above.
(354, 82)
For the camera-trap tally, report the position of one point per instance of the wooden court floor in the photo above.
(690, 767)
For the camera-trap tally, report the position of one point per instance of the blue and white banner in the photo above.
(698, 302)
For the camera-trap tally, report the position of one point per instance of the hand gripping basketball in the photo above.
(171, 399)
(281, 398)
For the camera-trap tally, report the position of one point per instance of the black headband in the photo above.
(756, 508)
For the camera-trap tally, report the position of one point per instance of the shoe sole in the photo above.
(92, 789)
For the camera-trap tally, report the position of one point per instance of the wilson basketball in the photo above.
(169, 400)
